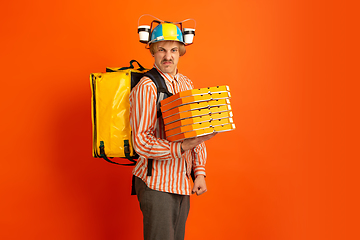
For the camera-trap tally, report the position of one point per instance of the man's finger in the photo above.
(207, 137)
(199, 192)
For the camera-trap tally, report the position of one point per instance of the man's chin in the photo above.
(166, 66)
(167, 69)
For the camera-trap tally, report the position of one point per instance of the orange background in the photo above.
(279, 175)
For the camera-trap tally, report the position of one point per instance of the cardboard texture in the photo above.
(194, 92)
(193, 99)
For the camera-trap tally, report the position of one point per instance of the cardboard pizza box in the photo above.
(200, 119)
(201, 132)
(198, 126)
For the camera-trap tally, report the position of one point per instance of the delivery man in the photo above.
(164, 193)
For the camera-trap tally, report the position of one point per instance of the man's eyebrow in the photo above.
(165, 48)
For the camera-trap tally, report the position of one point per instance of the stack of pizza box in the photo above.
(197, 112)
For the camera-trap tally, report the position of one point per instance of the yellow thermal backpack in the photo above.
(111, 110)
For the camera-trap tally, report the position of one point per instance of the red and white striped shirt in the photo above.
(171, 170)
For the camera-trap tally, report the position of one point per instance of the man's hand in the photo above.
(199, 185)
(190, 143)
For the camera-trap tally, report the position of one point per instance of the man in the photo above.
(164, 196)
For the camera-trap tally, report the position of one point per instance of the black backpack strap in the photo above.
(159, 81)
(162, 93)
(149, 170)
(162, 90)
(141, 68)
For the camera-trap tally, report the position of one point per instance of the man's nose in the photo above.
(168, 55)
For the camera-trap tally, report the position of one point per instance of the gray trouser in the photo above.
(164, 214)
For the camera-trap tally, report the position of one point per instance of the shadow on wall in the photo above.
(94, 195)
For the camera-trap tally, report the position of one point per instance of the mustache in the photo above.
(167, 60)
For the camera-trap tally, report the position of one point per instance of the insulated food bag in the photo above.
(110, 111)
